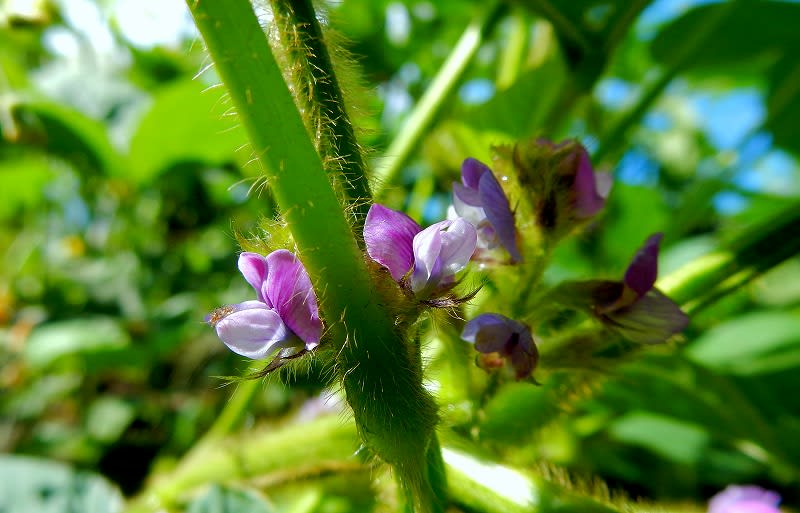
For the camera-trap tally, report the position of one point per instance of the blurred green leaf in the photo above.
(67, 133)
(107, 418)
(52, 341)
(755, 343)
(26, 177)
(219, 499)
(184, 123)
(674, 440)
(29, 485)
(751, 30)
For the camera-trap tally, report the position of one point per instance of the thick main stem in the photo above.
(380, 375)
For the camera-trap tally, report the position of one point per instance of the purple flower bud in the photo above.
(494, 334)
(433, 255)
(482, 201)
(284, 316)
(744, 499)
(632, 307)
(643, 269)
(588, 200)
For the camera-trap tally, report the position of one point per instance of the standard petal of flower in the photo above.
(389, 235)
(744, 499)
(466, 204)
(588, 200)
(427, 247)
(471, 172)
(254, 269)
(651, 319)
(253, 330)
(643, 270)
(498, 212)
(289, 288)
(489, 332)
(459, 239)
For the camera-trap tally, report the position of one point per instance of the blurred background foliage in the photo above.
(125, 180)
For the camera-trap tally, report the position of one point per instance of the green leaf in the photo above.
(26, 176)
(108, 417)
(69, 134)
(755, 343)
(225, 500)
(52, 341)
(32, 485)
(674, 440)
(184, 124)
(751, 30)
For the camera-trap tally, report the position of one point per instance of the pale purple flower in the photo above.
(744, 499)
(481, 200)
(432, 256)
(501, 339)
(633, 307)
(284, 316)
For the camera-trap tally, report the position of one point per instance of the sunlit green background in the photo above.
(123, 183)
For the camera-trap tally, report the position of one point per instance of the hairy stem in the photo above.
(380, 373)
(320, 97)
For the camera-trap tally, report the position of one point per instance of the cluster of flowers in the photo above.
(424, 262)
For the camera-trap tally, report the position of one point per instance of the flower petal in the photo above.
(254, 330)
(459, 239)
(254, 269)
(643, 270)
(490, 332)
(427, 247)
(498, 212)
(744, 499)
(587, 199)
(651, 319)
(289, 288)
(389, 235)
(471, 172)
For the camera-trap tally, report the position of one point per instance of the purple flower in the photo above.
(284, 316)
(744, 499)
(432, 256)
(482, 202)
(633, 307)
(502, 339)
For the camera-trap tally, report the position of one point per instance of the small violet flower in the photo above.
(480, 200)
(744, 499)
(589, 189)
(502, 340)
(285, 315)
(633, 307)
(432, 256)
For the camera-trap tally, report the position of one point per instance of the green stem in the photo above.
(319, 95)
(254, 454)
(395, 414)
(562, 24)
(431, 103)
